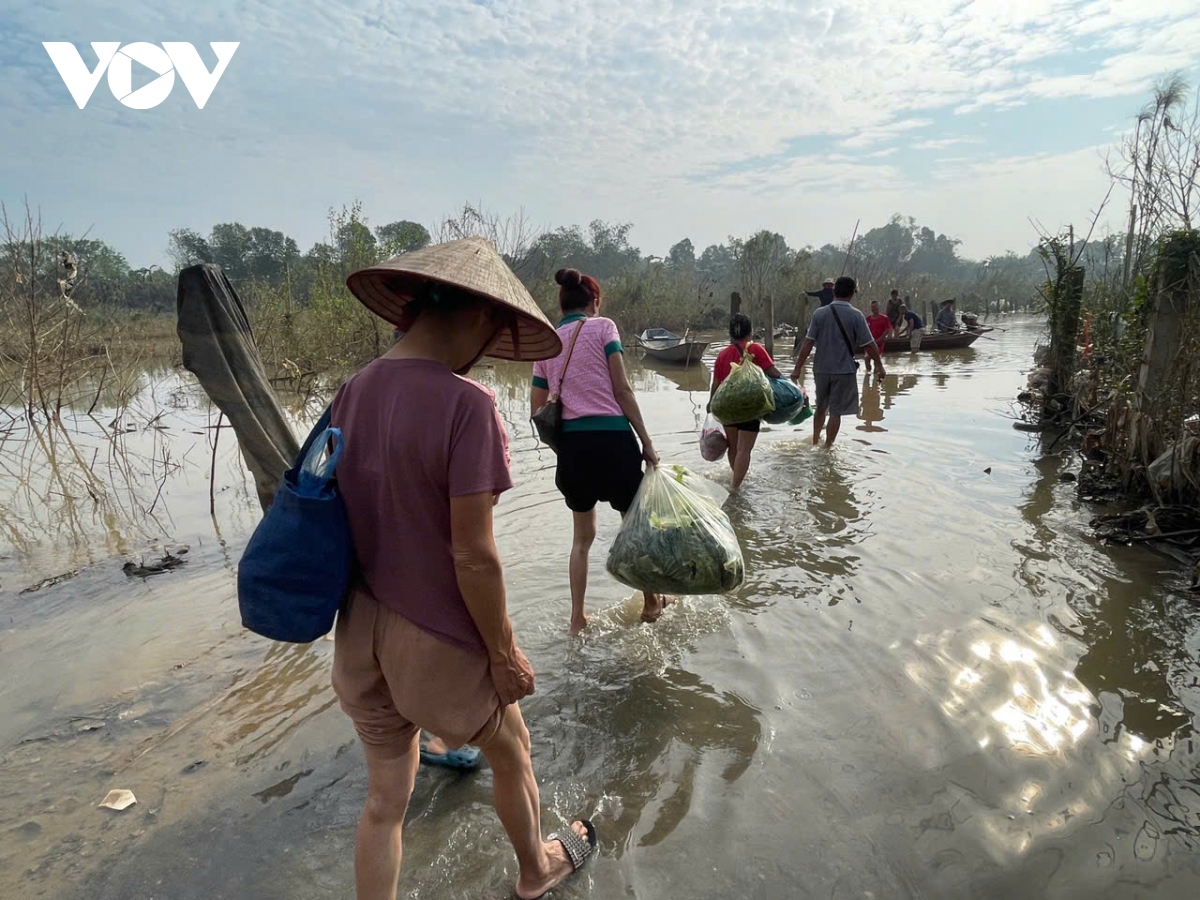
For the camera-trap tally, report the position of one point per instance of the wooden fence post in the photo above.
(769, 342)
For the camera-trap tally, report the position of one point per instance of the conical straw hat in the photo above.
(473, 265)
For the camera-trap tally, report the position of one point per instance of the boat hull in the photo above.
(681, 354)
(954, 341)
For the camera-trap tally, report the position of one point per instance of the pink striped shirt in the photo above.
(587, 394)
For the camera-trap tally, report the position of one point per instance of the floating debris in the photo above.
(118, 799)
(143, 569)
(51, 581)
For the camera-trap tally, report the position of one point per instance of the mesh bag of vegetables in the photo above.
(675, 539)
(744, 396)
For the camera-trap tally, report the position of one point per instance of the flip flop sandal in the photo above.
(578, 850)
(463, 759)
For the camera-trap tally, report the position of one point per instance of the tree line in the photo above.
(685, 287)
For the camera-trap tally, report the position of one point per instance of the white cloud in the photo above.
(678, 115)
(943, 143)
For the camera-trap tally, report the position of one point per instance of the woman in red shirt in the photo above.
(743, 435)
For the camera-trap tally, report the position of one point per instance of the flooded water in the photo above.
(933, 683)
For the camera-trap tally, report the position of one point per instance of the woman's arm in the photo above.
(773, 372)
(481, 581)
(623, 392)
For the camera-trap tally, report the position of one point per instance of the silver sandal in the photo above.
(578, 850)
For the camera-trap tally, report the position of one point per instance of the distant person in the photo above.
(839, 332)
(880, 325)
(423, 638)
(893, 307)
(743, 435)
(599, 459)
(825, 294)
(945, 320)
(911, 325)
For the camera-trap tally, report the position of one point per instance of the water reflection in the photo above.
(695, 377)
(1133, 638)
(659, 730)
(870, 411)
(896, 386)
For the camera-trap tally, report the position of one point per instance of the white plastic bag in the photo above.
(675, 540)
(713, 442)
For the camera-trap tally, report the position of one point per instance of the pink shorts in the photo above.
(394, 679)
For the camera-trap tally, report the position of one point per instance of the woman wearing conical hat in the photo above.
(424, 640)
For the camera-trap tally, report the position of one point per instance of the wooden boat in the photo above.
(933, 341)
(662, 346)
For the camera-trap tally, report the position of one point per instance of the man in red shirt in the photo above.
(880, 325)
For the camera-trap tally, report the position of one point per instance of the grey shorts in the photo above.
(837, 395)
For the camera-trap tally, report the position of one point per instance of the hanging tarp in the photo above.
(219, 349)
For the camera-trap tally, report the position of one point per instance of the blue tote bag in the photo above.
(299, 561)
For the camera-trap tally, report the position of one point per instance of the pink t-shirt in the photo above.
(416, 435)
(587, 390)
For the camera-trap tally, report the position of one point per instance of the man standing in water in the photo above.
(825, 294)
(839, 332)
(879, 324)
(893, 308)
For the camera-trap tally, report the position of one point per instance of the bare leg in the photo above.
(818, 425)
(742, 465)
(377, 851)
(542, 865)
(653, 606)
(731, 435)
(835, 424)
(581, 546)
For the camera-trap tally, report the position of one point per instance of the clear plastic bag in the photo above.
(744, 396)
(319, 465)
(675, 539)
(713, 442)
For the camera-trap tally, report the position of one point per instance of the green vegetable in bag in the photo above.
(744, 396)
(675, 539)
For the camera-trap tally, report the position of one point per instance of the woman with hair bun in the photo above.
(599, 459)
(742, 435)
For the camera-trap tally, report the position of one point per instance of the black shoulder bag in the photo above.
(845, 337)
(549, 419)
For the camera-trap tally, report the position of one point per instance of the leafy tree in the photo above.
(401, 237)
(682, 256)
(186, 248)
(269, 253)
(763, 264)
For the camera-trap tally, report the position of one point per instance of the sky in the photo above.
(703, 119)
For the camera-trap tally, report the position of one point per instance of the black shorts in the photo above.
(598, 467)
(754, 426)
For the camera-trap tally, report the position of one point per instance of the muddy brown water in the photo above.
(932, 684)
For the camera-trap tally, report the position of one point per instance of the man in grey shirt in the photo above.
(839, 332)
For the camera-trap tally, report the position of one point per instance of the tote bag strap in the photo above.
(570, 350)
(842, 329)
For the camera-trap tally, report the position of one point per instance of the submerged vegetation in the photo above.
(1123, 362)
